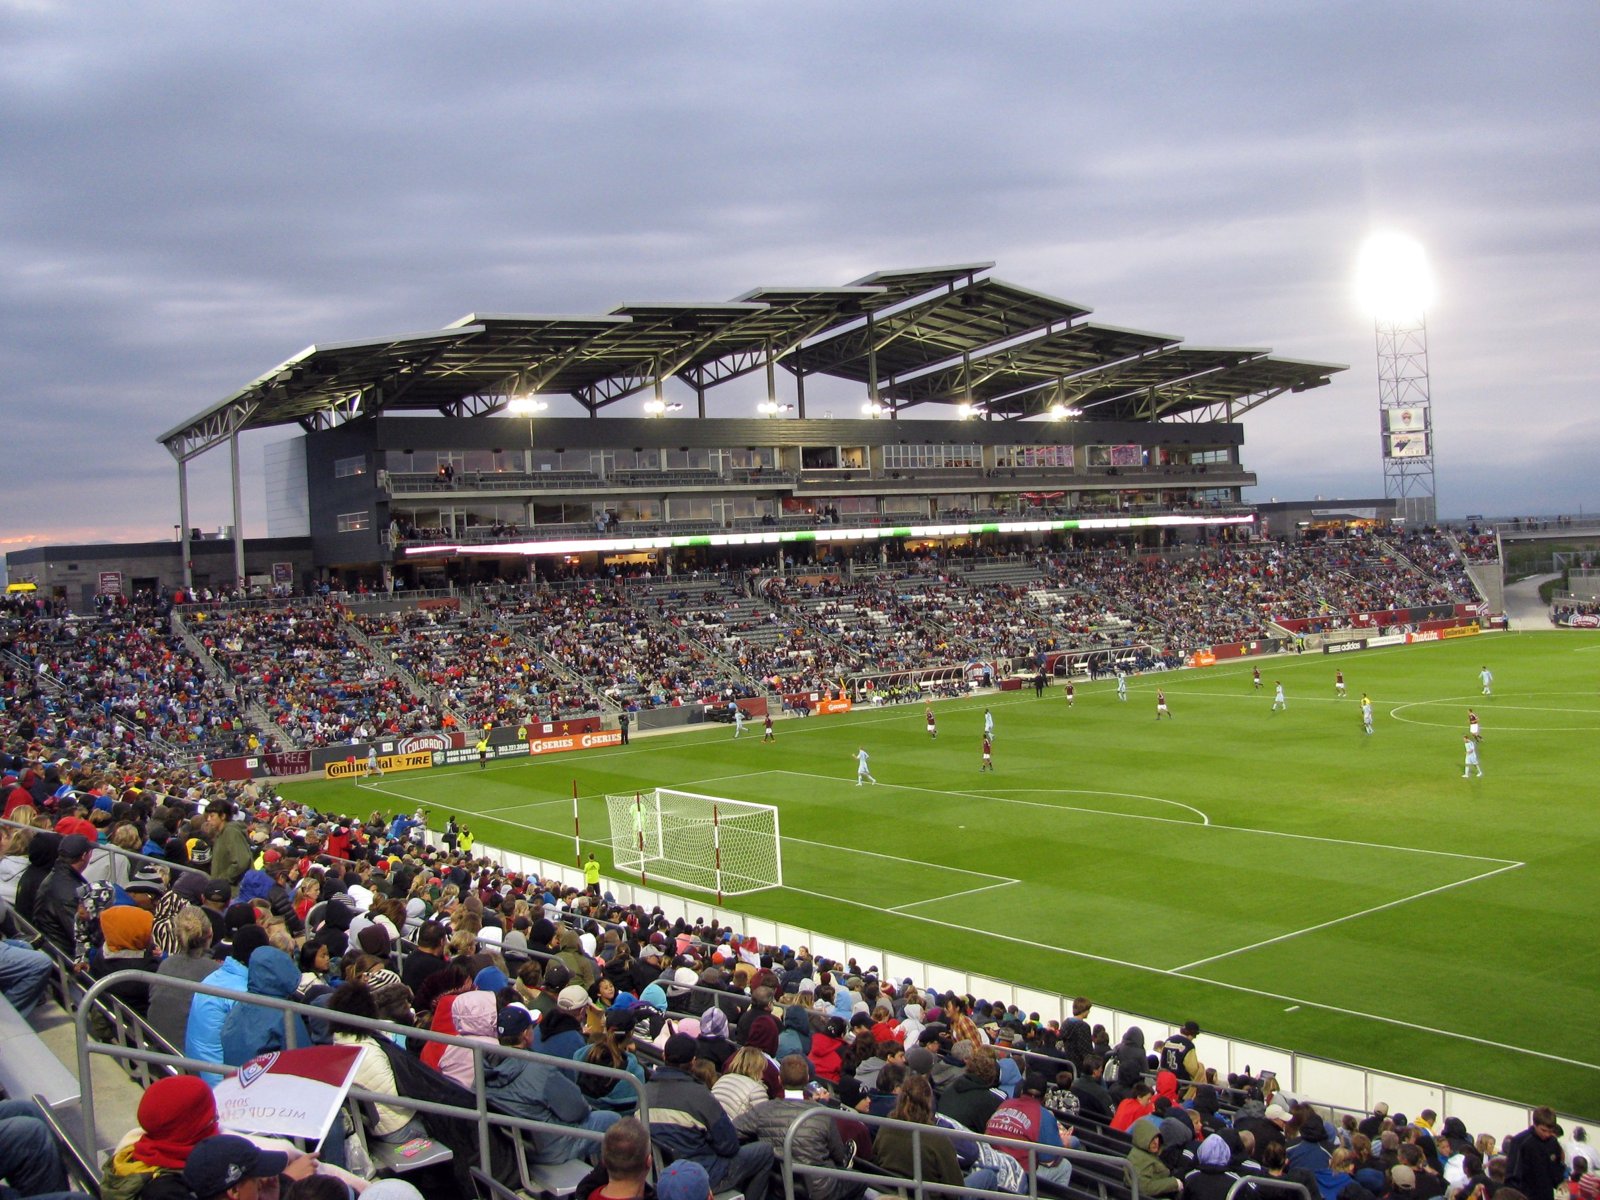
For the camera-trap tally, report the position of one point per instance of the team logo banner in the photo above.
(292, 1093)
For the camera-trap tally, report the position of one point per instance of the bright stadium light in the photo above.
(1393, 282)
(525, 406)
(659, 407)
(1061, 412)
(873, 409)
(967, 411)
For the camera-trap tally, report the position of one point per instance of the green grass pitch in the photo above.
(1277, 876)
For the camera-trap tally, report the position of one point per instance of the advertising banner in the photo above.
(1406, 420)
(356, 765)
(282, 573)
(1460, 631)
(579, 741)
(1408, 445)
(1127, 456)
(1345, 647)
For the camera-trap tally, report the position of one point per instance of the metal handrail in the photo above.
(135, 854)
(1270, 1182)
(481, 1112)
(918, 1130)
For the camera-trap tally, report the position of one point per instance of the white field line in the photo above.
(1147, 969)
(1376, 908)
(1309, 837)
(952, 895)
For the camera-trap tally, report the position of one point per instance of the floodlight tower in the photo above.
(1396, 286)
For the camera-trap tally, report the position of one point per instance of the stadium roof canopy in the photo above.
(942, 335)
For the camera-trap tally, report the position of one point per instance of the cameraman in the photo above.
(63, 897)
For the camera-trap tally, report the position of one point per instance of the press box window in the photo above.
(344, 468)
(354, 522)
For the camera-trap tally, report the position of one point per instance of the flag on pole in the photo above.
(291, 1093)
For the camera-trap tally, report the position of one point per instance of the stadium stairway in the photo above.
(116, 1095)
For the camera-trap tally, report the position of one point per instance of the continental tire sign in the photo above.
(387, 763)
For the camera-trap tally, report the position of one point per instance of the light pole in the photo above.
(1395, 287)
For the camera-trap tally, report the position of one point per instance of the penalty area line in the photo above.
(988, 887)
(1365, 912)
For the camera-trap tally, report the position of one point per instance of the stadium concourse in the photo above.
(132, 876)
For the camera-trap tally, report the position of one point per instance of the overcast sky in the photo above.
(193, 192)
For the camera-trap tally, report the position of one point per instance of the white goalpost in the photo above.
(708, 843)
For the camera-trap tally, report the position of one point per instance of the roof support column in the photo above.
(799, 386)
(872, 363)
(238, 507)
(183, 525)
(772, 380)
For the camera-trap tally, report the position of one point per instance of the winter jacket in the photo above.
(474, 1014)
(1152, 1174)
(1214, 1183)
(816, 1143)
(968, 1101)
(891, 1149)
(534, 1091)
(687, 1123)
(55, 907)
(231, 855)
(1127, 1063)
(252, 1029)
(202, 1038)
(738, 1094)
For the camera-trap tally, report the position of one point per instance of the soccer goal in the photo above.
(708, 843)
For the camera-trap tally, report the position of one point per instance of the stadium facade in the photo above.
(411, 471)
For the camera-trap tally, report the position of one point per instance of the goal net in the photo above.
(708, 843)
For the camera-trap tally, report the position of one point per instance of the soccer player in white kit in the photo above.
(1366, 713)
(1338, 684)
(1122, 686)
(738, 721)
(988, 724)
(861, 767)
(1278, 700)
(1486, 676)
(1472, 757)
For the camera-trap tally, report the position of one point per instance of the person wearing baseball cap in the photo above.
(228, 1167)
(687, 1122)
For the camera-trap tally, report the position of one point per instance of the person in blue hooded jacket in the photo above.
(252, 1029)
(202, 1037)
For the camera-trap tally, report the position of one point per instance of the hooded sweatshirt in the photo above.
(474, 1014)
(251, 1029)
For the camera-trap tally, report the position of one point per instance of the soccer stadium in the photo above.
(963, 792)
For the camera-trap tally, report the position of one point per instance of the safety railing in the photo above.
(486, 1117)
(920, 1186)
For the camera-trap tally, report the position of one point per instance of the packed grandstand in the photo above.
(693, 1055)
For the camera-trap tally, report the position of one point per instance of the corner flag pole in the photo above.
(577, 841)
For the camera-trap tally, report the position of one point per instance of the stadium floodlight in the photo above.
(1393, 282)
(873, 409)
(771, 408)
(658, 407)
(526, 406)
(1395, 286)
(966, 411)
(1062, 412)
